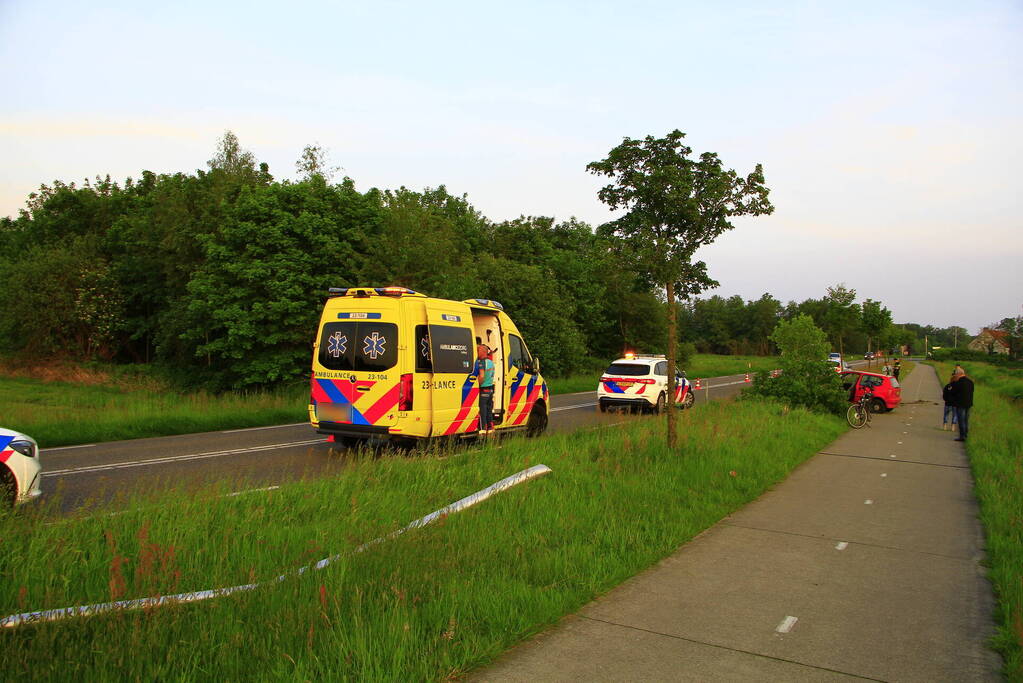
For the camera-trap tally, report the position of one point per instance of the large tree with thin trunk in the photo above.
(674, 204)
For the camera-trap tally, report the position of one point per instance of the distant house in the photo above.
(990, 341)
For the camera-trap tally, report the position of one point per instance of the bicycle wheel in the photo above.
(855, 416)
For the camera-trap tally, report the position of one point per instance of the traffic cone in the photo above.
(697, 382)
(747, 377)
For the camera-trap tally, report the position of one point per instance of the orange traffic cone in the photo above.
(697, 382)
(747, 377)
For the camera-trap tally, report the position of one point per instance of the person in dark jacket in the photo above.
(949, 421)
(962, 399)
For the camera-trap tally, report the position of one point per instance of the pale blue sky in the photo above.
(900, 121)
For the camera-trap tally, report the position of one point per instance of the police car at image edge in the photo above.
(19, 468)
(640, 382)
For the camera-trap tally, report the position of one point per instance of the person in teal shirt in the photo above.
(485, 382)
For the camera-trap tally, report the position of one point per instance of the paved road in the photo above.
(865, 564)
(256, 458)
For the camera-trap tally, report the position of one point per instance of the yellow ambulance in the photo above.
(391, 363)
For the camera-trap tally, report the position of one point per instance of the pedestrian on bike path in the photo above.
(866, 562)
(962, 399)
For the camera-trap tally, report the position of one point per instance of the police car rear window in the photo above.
(628, 370)
(364, 346)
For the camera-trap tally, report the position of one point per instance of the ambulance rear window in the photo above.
(364, 346)
(628, 370)
(452, 348)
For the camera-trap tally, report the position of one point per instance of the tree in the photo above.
(1013, 328)
(843, 313)
(875, 319)
(674, 205)
(314, 162)
(806, 379)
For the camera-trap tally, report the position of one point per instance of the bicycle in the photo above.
(859, 412)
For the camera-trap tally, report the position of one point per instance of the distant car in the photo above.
(869, 355)
(640, 382)
(887, 391)
(19, 468)
(834, 356)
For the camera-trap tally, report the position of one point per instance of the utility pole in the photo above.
(955, 336)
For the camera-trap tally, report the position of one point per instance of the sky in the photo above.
(888, 131)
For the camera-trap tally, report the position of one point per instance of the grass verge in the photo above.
(995, 449)
(428, 605)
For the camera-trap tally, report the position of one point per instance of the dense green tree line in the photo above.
(219, 275)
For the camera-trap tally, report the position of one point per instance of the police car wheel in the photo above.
(602, 406)
(8, 489)
(659, 408)
(688, 401)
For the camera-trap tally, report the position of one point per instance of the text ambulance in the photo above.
(390, 363)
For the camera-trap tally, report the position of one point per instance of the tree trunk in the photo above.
(670, 402)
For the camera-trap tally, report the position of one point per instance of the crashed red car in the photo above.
(887, 391)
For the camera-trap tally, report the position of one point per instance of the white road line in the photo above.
(884, 474)
(579, 405)
(175, 458)
(868, 501)
(242, 493)
(253, 429)
(900, 443)
(892, 455)
(66, 448)
(842, 545)
(786, 624)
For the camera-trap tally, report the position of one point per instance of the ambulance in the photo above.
(393, 364)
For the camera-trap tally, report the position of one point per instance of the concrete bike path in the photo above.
(864, 564)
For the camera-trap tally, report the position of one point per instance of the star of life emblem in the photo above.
(424, 347)
(337, 344)
(374, 345)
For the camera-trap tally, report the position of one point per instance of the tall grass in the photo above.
(430, 604)
(62, 413)
(995, 449)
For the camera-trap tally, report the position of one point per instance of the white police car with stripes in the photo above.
(640, 383)
(19, 468)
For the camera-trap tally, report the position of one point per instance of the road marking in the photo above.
(786, 624)
(892, 455)
(175, 458)
(884, 474)
(900, 443)
(242, 493)
(842, 545)
(579, 405)
(868, 501)
(66, 448)
(252, 429)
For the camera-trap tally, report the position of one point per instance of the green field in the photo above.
(995, 449)
(428, 605)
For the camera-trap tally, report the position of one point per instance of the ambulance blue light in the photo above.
(337, 291)
(489, 302)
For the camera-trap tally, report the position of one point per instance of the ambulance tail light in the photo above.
(405, 393)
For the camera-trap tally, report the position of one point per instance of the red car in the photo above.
(887, 392)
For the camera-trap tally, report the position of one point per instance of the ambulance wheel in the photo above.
(659, 408)
(537, 422)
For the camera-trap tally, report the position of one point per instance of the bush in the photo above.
(806, 379)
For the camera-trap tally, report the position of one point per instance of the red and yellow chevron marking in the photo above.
(470, 405)
(345, 391)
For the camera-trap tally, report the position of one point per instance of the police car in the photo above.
(19, 468)
(640, 382)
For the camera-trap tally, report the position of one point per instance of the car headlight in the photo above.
(26, 448)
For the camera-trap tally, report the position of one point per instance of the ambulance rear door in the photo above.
(455, 396)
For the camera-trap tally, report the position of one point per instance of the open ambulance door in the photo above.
(455, 396)
(486, 326)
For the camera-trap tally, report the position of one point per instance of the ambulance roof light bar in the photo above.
(486, 302)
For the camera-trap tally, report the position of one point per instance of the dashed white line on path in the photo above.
(786, 624)
(884, 474)
(842, 545)
(868, 501)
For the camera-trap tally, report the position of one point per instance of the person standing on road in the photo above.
(962, 398)
(948, 420)
(485, 379)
